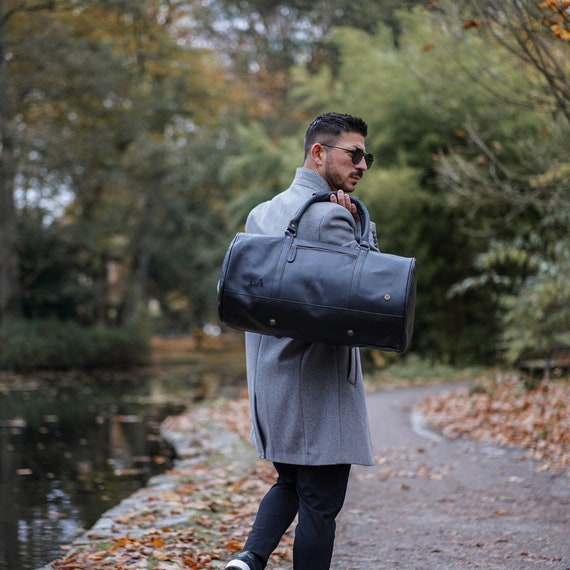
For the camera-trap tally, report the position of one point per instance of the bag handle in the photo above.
(291, 230)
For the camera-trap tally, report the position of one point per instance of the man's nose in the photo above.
(362, 164)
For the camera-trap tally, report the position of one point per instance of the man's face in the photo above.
(338, 169)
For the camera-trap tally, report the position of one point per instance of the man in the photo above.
(307, 399)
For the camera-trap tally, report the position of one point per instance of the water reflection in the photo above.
(72, 447)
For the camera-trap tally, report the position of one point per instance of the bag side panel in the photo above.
(249, 271)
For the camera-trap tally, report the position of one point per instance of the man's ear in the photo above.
(318, 154)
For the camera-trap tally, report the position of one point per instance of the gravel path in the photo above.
(431, 503)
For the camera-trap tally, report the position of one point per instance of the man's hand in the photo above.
(343, 200)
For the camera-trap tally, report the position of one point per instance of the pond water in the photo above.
(74, 445)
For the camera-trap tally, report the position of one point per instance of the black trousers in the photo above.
(317, 494)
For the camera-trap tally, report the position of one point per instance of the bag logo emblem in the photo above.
(253, 282)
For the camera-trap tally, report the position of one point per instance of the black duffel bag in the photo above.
(319, 292)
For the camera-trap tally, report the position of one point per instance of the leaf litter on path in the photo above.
(198, 515)
(195, 516)
(502, 411)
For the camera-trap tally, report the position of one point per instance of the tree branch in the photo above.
(22, 7)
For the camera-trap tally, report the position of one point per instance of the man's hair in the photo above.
(328, 127)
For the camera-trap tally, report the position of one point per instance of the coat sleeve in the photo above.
(329, 223)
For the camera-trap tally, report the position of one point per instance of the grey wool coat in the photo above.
(307, 399)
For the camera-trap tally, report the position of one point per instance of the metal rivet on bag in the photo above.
(387, 297)
(350, 332)
(272, 322)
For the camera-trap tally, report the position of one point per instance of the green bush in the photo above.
(52, 344)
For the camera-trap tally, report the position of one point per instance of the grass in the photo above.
(414, 371)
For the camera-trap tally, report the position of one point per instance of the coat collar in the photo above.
(309, 180)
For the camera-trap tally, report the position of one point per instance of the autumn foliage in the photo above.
(558, 17)
(502, 411)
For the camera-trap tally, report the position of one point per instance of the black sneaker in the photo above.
(243, 561)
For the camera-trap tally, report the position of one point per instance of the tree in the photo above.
(9, 291)
(537, 317)
(519, 179)
(263, 39)
(434, 106)
(406, 131)
(536, 34)
(106, 113)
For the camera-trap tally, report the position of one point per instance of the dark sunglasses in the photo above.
(357, 155)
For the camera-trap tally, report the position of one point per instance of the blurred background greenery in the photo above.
(135, 135)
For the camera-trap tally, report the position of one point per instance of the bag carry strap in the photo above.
(291, 230)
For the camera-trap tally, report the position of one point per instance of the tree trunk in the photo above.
(9, 293)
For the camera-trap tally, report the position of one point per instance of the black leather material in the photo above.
(318, 292)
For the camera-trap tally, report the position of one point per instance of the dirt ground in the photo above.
(432, 503)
